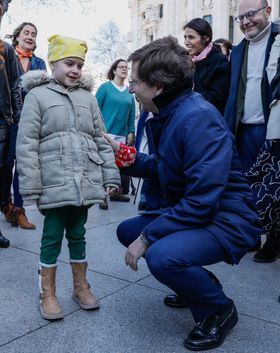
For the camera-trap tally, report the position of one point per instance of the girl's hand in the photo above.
(115, 144)
(110, 190)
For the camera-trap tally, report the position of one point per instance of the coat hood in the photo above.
(34, 78)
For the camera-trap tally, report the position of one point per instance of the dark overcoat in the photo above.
(194, 175)
(212, 78)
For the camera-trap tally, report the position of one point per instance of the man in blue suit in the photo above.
(200, 207)
(247, 110)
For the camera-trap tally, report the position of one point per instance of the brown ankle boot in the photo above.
(49, 306)
(18, 218)
(8, 211)
(82, 294)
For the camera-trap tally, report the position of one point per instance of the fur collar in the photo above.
(34, 78)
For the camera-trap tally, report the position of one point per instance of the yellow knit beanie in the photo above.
(61, 47)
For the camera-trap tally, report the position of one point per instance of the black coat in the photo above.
(212, 78)
(13, 81)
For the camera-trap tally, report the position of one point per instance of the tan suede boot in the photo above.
(18, 218)
(7, 210)
(49, 306)
(82, 294)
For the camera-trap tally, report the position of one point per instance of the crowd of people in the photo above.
(207, 147)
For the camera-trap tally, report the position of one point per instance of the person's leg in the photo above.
(53, 231)
(75, 234)
(249, 141)
(176, 261)
(130, 229)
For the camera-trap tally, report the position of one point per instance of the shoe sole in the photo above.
(176, 306)
(51, 317)
(84, 306)
(219, 343)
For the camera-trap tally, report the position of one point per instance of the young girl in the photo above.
(64, 163)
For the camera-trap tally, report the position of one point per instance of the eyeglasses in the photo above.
(122, 67)
(249, 15)
(133, 83)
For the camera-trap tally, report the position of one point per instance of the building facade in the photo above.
(152, 19)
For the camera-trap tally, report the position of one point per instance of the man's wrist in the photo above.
(144, 239)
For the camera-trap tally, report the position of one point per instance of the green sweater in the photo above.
(118, 109)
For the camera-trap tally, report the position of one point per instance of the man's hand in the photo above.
(135, 250)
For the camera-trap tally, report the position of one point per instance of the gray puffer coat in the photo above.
(62, 157)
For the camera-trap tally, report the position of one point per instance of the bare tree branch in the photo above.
(86, 5)
(108, 45)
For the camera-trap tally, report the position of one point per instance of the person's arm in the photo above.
(131, 124)
(13, 76)
(110, 172)
(273, 59)
(100, 96)
(207, 155)
(27, 149)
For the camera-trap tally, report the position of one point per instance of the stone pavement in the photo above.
(132, 317)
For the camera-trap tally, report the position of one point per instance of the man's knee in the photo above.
(122, 232)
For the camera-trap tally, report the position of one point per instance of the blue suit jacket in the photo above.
(195, 177)
(237, 56)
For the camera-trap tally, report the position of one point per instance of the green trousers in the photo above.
(70, 219)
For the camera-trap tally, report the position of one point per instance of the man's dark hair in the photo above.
(201, 26)
(17, 31)
(163, 63)
(110, 73)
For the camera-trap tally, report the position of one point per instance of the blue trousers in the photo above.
(176, 261)
(249, 141)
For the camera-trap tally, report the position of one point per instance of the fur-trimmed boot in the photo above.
(49, 307)
(82, 294)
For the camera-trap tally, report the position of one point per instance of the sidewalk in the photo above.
(132, 317)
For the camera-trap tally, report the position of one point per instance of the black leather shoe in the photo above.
(175, 301)
(257, 247)
(211, 332)
(4, 242)
(268, 253)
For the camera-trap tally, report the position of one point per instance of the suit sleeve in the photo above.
(207, 154)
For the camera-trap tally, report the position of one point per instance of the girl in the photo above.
(64, 163)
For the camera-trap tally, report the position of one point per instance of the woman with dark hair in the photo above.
(212, 69)
(118, 109)
(10, 107)
(225, 46)
(24, 43)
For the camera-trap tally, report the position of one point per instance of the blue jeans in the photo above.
(249, 141)
(176, 261)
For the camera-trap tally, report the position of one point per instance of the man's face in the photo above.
(27, 38)
(252, 26)
(143, 92)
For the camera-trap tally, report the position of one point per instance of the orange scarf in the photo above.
(23, 54)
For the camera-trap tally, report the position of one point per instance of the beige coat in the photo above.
(62, 158)
(273, 125)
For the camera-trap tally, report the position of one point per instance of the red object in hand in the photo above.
(125, 156)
